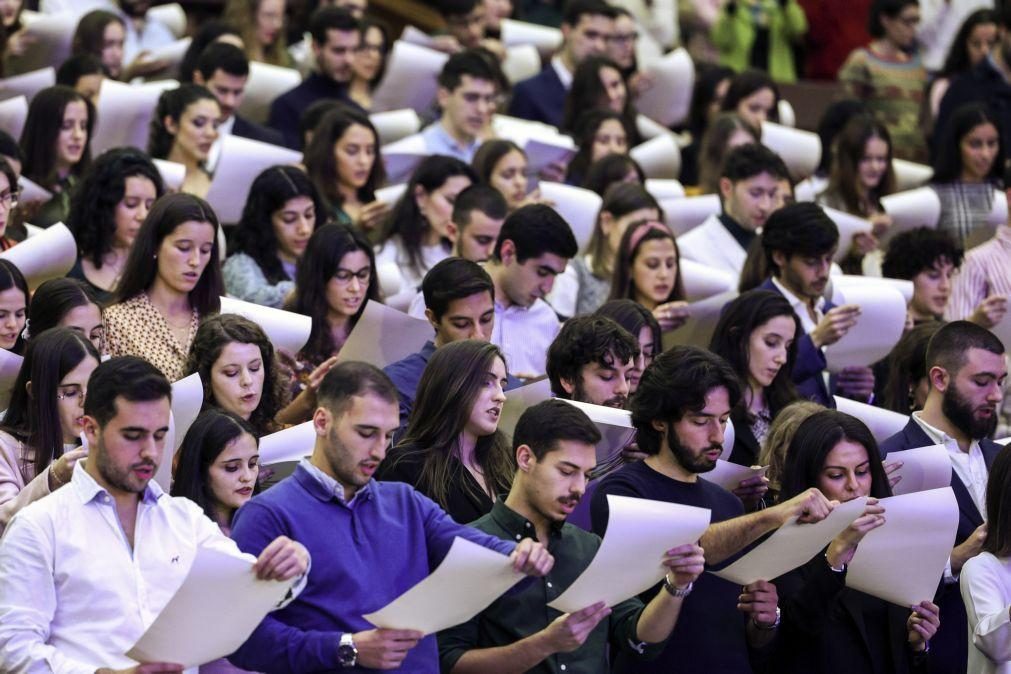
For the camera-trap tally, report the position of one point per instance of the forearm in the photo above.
(515, 658)
(758, 637)
(298, 410)
(658, 618)
(723, 539)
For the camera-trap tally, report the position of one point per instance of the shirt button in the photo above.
(562, 667)
(518, 537)
(549, 584)
(527, 525)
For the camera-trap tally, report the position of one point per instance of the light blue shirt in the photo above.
(438, 141)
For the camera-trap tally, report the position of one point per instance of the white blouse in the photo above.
(986, 591)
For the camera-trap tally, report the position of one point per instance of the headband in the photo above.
(644, 228)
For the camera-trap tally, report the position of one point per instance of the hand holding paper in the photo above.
(920, 469)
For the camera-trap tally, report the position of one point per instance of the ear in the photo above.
(779, 257)
(198, 78)
(939, 378)
(321, 421)
(430, 315)
(607, 222)
(442, 95)
(170, 125)
(658, 426)
(90, 428)
(452, 231)
(567, 385)
(525, 459)
(420, 196)
(507, 252)
(726, 188)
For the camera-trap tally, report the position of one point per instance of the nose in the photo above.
(944, 283)
(378, 452)
(355, 285)
(499, 395)
(304, 225)
(996, 393)
(621, 387)
(11, 321)
(248, 474)
(779, 357)
(141, 212)
(245, 378)
(716, 432)
(547, 284)
(149, 448)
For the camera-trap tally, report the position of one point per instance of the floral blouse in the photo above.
(136, 328)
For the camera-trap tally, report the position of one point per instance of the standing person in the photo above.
(760, 34)
(184, 130)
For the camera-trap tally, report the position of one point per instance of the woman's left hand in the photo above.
(671, 315)
(922, 624)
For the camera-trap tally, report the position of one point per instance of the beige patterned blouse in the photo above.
(136, 328)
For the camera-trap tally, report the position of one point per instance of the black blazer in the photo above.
(746, 447)
(246, 129)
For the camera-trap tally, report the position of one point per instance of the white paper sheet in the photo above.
(920, 207)
(400, 158)
(923, 469)
(520, 130)
(800, 150)
(124, 114)
(910, 175)
(701, 281)
(615, 426)
(882, 423)
(48, 255)
(792, 545)
(13, 114)
(28, 84)
(241, 160)
(467, 581)
(521, 61)
(391, 193)
(728, 440)
(787, 115)
(684, 215)
(519, 399)
(31, 191)
(848, 226)
(546, 39)
(266, 82)
(172, 16)
(291, 444)
(649, 128)
(1004, 441)
(542, 152)
(384, 335)
(52, 35)
(395, 124)
(415, 35)
(10, 366)
(729, 475)
(668, 99)
(999, 213)
(172, 173)
(703, 317)
(216, 582)
(578, 206)
(187, 399)
(878, 329)
(659, 157)
(172, 53)
(285, 329)
(665, 188)
(902, 561)
(639, 532)
(410, 79)
(840, 282)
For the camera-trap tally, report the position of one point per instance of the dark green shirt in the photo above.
(525, 611)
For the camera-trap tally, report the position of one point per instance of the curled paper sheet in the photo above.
(544, 38)
(172, 53)
(415, 35)
(578, 206)
(13, 113)
(809, 189)
(663, 189)
(728, 441)
(668, 99)
(285, 329)
(702, 320)
(1003, 330)
(519, 399)
(659, 157)
(467, 581)
(291, 444)
(839, 283)
(999, 212)
(787, 116)
(172, 16)
(266, 82)
(521, 61)
(648, 128)
(615, 428)
(395, 124)
(849, 226)
(390, 279)
(702, 281)
(877, 330)
(403, 156)
(410, 79)
(241, 160)
(390, 194)
(628, 561)
(10, 366)
(50, 46)
(187, 399)
(800, 150)
(216, 581)
(729, 475)
(384, 335)
(123, 117)
(27, 85)
(31, 191)
(923, 469)
(541, 153)
(1004, 441)
(684, 215)
(48, 255)
(911, 209)
(792, 545)
(910, 175)
(902, 561)
(520, 131)
(882, 423)
(172, 173)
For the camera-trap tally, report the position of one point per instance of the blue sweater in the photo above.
(363, 557)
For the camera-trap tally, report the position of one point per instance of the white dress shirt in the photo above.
(970, 467)
(524, 335)
(563, 73)
(986, 591)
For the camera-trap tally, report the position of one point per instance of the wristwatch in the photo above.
(347, 652)
(678, 592)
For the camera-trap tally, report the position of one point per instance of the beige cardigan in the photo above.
(19, 485)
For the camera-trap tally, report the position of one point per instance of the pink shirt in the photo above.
(986, 271)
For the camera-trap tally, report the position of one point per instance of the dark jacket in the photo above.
(540, 98)
(982, 84)
(247, 129)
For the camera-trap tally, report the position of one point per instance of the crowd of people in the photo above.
(687, 328)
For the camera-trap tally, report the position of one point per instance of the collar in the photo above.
(517, 526)
(88, 490)
(563, 73)
(795, 301)
(939, 437)
(427, 350)
(439, 130)
(324, 487)
(741, 235)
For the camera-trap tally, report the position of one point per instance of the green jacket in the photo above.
(733, 35)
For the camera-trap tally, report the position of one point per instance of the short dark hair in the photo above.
(584, 340)
(76, 67)
(677, 383)
(453, 279)
(456, 7)
(130, 377)
(353, 378)
(482, 198)
(467, 62)
(949, 347)
(537, 229)
(575, 10)
(331, 18)
(798, 229)
(541, 426)
(752, 159)
(917, 250)
(225, 57)
(889, 8)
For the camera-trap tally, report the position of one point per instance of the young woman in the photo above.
(344, 162)
(15, 38)
(906, 384)
(598, 83)
(261, 24)
(38, 443)
(826, 626)
(9, 193)
(370, 63)
(502, 164)
(210, 31)
(967, 169)
(598, 133)
(711, 83)
(754, 96)
(647, 271)
(453, 451)
(14, 310)
(640, 322)
(235, 361)
(279, 217)
(623, 205)
(889, 76)
(414, 237)
(101, 34)
(727, 131)
(974, 41)
(108, 209)
(56, 145)
(172, 279)
(611, 170)
(67, 303)
(756, 334)
(183, 130)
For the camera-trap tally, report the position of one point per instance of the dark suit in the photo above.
(950, 647)
(540, 98)
(247, 129)
(746, 446)
(287, 108)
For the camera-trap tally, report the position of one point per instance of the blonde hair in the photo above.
(779, 437)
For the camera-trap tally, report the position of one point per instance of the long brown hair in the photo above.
(844, 179)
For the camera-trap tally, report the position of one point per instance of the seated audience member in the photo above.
(107, 210)
(708, 90)
(726, 131)
(967, 371)
(56, 145)
(453, 451)
(832, 121)
(415, 236)
(261, 24)
(598, 83)
(598, 132)
(762, 35)
(102, 541)
(468, 87)
(641, 324)
(183, 130)
(610, 170)
(334, 281)
(67, 303)
(10, 152)
(586, 27)
(336, 37)
(954, 54)
(967, 170)
(590, 361)
(273, 233)
(984, 580)
(554, 445)
(171, 280)
(207, 34)
(929, 258)
(224, 70)
(778, 440)
(679, 412)
(621, 49)
(754, 97)
(82, 73)
(312, 115)
(799, 242)
(502, 164)
(345, 164)
(14, 307)
(369, 63)
(101, 34)
(749, 188)
(384, 531)
(647, 270)
(905, 386)
(466, 27)
(39, 441)
(9, 194)
(826, 626)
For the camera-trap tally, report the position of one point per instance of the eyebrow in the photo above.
(141, 429)
(862, 463)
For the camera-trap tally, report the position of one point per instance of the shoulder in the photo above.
(986, 565)
(239, 261)
(125, 308)
(409, 366)
(629, 479)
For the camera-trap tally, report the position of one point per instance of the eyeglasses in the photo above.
(10, 198)
(70, 393)
(345, 275)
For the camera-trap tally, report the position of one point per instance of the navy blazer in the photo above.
(540, 98)
(949, 649)
(247, 129)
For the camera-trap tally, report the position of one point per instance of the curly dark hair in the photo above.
(584, 340)
(918, 250)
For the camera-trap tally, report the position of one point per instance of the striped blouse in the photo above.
(986, 271)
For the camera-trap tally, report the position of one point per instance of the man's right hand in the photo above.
(384, 649)
(808, 506)
(146, 668)
(567, 632)
(835, 324)
(990, 311)
(969, 548)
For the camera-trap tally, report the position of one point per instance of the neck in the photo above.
(223, 517)
(338, 324)
(284, 256)
(967, 177)
(125, 500)
(887, 48)
(62, 169)
(496, 270)
(567, 60)
(456, 134)
(646, 302)
(167, 300)
(319, 460)
(518, 503)
(348, 194)
(757, 397)
(919, 315)
(934, 416)
(466, 444)
(178, 155)
(664, 463)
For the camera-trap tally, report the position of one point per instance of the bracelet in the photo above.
(841, 569)
(57, 482)
(771, 627)
(676, 592)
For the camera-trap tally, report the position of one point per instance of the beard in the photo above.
(960, 412)
(118, 477)
(693, 463)
(579, 394)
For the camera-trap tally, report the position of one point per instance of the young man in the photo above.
(371, 541)
(929, 258)
(590, 361)
(554, 446)
(750, 183)
(680, 411)
(967, 373)
(799, 242)
(466, 27)
(468, 87)
(84, 571)
(534, 247)
(586, 28)
(336, 37)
